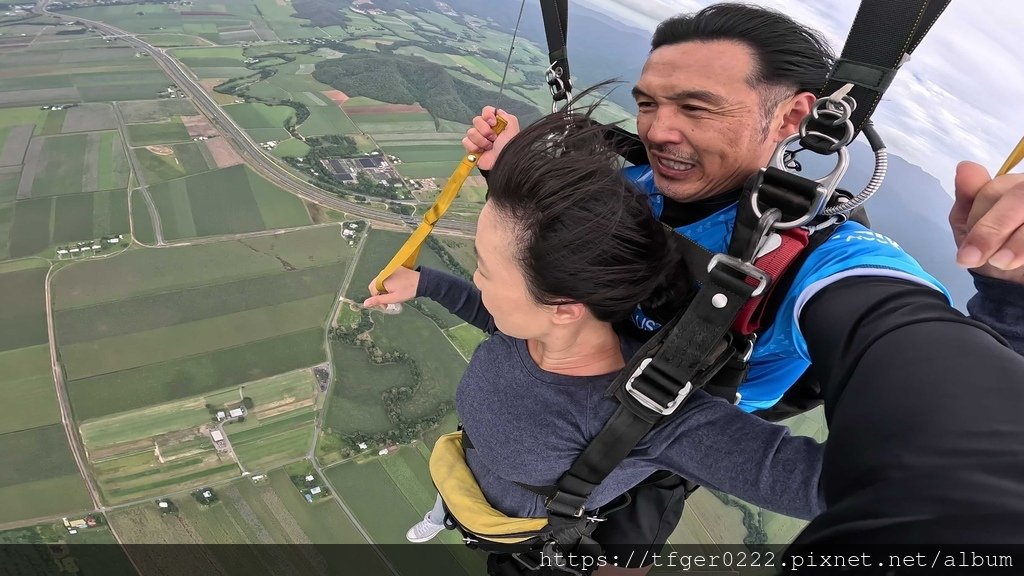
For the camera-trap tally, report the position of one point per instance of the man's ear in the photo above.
(790, 113)
(568, 313)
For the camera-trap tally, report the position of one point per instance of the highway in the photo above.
(251, 153)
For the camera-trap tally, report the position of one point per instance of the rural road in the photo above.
(140, 178)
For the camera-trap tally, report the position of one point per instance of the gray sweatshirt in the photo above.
(528, 425)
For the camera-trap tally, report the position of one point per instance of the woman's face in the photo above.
(501, 282)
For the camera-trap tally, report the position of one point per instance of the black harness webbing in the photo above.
(556, 27)
(883, 35)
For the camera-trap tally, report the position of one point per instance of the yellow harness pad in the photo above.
(465, 500)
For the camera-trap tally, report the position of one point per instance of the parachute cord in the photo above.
(508, 60)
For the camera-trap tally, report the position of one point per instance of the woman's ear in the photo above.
(568, 313)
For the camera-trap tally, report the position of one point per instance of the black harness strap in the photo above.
(556, 26)
(883, 35)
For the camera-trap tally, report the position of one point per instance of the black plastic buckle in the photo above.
(555, 503)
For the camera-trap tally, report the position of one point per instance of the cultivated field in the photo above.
(37, 459)
(153, 326)
(225, 201)
(162, 163)
(269, 512)
(167, 447)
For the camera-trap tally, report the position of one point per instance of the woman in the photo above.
(565, 250)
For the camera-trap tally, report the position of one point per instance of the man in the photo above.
(720, 90)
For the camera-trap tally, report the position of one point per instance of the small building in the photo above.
(236, 413)
(96, 246)
(163, 504)
(362, 445)
(207, 494)
(217, 436)
(221, 415)
(310, 478)
(315, 490)
(308, 498)
(113, 240)
(62, 251)
(383, 452)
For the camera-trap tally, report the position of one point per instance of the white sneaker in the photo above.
(424, 530)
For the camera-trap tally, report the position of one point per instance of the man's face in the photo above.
(700, 120)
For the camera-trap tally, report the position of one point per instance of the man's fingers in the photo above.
(1011, 255)
(1000, 216)
(970, 179)
(479, 141)
(482, 126)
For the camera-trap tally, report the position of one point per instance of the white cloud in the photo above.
(960, 97)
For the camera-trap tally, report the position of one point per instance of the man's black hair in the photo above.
(788, 56)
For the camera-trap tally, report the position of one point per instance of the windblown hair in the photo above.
(582, 232)
(789, 57)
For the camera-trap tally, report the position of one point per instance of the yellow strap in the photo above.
(410, 251)
(1015, 158)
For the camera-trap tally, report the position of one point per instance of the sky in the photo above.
(960, 97)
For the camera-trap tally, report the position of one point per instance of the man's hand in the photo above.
(481, 139)
(401, 287)
(987, 219)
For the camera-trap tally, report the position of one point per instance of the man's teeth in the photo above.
(676, 165)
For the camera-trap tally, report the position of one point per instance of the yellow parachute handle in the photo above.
(410, 251)
(1015, 158)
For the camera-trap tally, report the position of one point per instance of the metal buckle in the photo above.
(650, 403)
(746, 268)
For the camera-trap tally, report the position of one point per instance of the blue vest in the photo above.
(780, 355)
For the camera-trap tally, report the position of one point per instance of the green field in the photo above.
(276, 441)
(465, 338)
(291, 147)
(147, 312)
(186, 340)
(419, 170)
(166, 447)
(186, 160)
(171, 342)
(269, 512)
(168, 132)
(23, 314)
(27, 389)
(392, 123)
(327, 118)
(226, 201)
(401, 480)
(38, 461)
(251, 116)
(410, 154)
(142, 222)
(39, 223)
(141, 112)
(76, 163)
(140, 272)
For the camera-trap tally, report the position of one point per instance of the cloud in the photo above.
(960, 97)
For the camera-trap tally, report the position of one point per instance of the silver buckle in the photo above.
(745, 267)
(647, 401)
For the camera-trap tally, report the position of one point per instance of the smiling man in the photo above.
(720, 90)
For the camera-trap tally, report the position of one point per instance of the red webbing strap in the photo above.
(774, 264)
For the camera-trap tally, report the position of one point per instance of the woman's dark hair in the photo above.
(583, 233)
